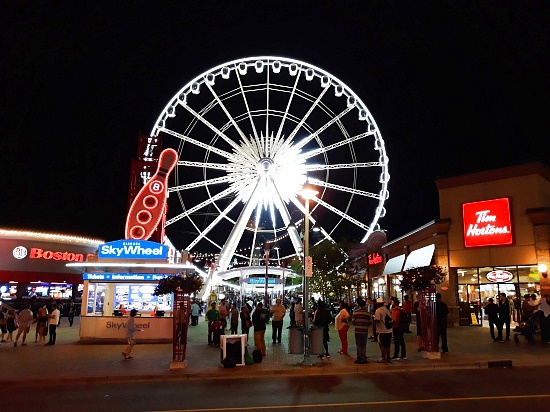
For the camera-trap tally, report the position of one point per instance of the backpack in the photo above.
(388, 322)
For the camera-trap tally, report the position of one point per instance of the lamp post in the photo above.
(266, 250)
(307, 193)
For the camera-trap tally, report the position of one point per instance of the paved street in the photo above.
(69, 361)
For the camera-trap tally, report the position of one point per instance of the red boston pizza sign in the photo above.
(487, 223)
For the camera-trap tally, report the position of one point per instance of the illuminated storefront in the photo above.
(493, 235)
(32, 264)
(126, 272)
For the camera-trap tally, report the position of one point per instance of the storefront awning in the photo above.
(394, 265)
(420, 257)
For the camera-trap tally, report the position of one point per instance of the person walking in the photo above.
(130, 331)
(384, 330)
(504, 315)
(322, 319)
(441, 312)
(259, 320)
(398, 329)
(24, 319)
(195, 311)
(278, 311)
(362, 320)
(341, 324)
(491, 310)
(54, 317)
(11, 325)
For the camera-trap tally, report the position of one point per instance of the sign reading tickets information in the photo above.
(487, 223)
(133, 249)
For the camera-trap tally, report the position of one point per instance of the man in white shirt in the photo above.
(24, 318)
(53, 322)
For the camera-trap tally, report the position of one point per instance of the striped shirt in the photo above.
(362, 319)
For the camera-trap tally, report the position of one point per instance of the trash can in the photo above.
(295, 340)
(316, 341)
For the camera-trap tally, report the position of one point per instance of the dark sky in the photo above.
(455, 87)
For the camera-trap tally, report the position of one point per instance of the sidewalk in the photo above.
(68, 360)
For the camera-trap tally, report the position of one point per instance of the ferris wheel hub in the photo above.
(266, 166)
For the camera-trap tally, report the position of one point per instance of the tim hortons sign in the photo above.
(487, 223)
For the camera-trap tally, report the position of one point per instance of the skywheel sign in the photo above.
(133, 249)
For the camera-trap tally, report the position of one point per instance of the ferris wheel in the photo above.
(250, 133)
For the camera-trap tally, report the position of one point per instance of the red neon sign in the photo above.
(37, 253)
(374, 258)
(487, 223)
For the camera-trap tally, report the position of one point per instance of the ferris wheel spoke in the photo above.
(279, 137)
(232, 167)
(340, 213)
(292, 230)
(222, 215)
(207, 202)
(313, 167)
(313, 135)
(237, 231)
(198, 143)
(302, 209)
(208, 182)
(324, 149)
(231, 119)
(217, 131)
(346, 189)
(246, 104)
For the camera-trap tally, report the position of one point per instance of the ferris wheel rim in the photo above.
(318, 72)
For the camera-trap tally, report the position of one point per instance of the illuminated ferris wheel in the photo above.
(250, 133)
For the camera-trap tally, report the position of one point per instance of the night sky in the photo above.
(457, 87)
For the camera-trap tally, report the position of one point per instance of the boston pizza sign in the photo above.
(487, 223)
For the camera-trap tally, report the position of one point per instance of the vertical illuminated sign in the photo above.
(487, 223)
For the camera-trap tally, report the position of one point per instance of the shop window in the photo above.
(96, 298)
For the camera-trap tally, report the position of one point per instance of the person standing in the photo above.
(384, 333)
(398, 329)
(441, 312)
(41, 326)
(362, 319)
(54, 317)
(24, 319)
(224, 312)
(299, 313)
(341, 324)
(246, 321)
(543, 311)
(212, 315)
(504, 315)
(491, 310)
(130, 330)
(322, 319)
(407, 308)
(195, 310)
(3, 323)
(71, 313)
(259, 320)
(234, 318)
(292, 313)
(419, 341)
(278, 311)
(11, 325)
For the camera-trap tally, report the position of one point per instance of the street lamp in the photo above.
(266, 250)
(307, 193)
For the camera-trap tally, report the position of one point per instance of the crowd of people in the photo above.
(47, 319)
(385, 320)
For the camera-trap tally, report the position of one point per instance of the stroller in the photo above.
(527, 328)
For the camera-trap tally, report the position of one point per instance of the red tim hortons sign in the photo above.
(487, 223)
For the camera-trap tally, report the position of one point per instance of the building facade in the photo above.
(493, 236)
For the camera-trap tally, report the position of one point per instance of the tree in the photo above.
(327, 279)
